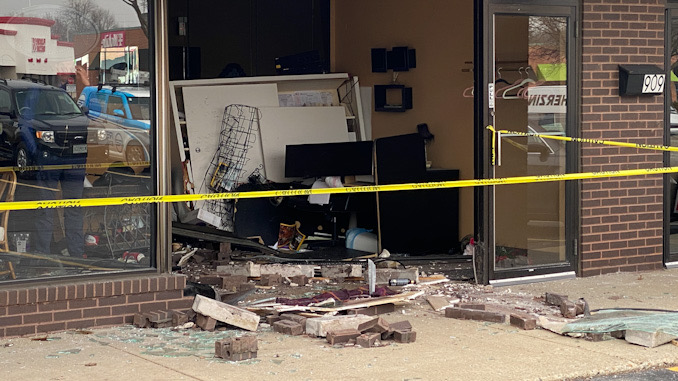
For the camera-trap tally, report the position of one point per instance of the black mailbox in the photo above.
(641, 80)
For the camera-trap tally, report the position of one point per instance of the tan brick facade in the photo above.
(621, 218)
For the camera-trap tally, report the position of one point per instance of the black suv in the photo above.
(41, 125)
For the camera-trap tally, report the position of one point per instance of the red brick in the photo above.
(12, 297)
(138, 298)
(523, 321)
(108, 289)
(3, 297)
(52, 327)
(22, 297)
(115, 320)
(70, 290)
(117, 288)
(68, 315)
(80, 324)
(145, 285)
(288, 327)
(22, 309)
(38, 318)
(171, 294)
(469, 314)
(53, 306)
(205, 322)
(154, 306)
(79, 292)
(180, 304)
(141, 320)
(82, 303)
(10, 320)
(179, 318)
(214, 280)
(96, 312)
(89, 290)
(113, 300)
(405, 336)
(342, 336)
(368, 340)
(99, 290)
(153, 284)
(127, 309)
(127, 287)
(20, 331)
(51, 294)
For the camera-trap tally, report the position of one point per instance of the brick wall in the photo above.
(41, 309)
(621, 219)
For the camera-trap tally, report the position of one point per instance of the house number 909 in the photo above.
(653, 83)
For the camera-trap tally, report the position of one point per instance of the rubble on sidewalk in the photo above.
(333, 301)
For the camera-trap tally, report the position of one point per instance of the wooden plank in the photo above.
(281, 126)
(393, 299)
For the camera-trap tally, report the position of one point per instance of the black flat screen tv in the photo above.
(328, 159)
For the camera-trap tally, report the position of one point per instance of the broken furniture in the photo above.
(286, 118)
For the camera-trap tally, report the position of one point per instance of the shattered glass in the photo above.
(620, 320)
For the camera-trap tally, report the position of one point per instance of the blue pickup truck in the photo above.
(125, 117)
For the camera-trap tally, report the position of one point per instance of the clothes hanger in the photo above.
(520, 71)
(518, 86)
(523, 93)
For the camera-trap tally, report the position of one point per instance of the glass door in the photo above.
(671, 138)
(529, 79)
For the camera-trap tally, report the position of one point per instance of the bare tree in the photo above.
(81, 17)
(548, 37)
(141, 9)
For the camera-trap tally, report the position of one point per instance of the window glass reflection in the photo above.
(75, 123)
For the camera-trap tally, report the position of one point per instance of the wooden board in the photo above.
(281, 126)
(204, 107)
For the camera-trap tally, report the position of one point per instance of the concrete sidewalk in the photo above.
(446, 349)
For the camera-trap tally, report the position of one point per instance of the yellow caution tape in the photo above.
(654, 147)
(69, 203)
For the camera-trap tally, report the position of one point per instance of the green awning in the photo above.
(552, 72)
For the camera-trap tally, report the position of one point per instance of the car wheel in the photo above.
(22, 160)
(134, 154)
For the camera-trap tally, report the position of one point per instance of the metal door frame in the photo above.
(484, 196)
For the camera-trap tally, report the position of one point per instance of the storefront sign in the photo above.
(547, 99)
(38, 45)
(112, 40)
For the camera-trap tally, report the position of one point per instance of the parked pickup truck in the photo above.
(124, 116)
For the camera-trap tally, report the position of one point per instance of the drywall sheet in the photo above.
(204, 107)
(281, 126)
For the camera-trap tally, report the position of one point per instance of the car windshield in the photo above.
(140, 108)
(42, 102)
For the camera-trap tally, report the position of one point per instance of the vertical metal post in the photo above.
(162, 141)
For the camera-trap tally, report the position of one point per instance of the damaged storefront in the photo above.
(324, 111)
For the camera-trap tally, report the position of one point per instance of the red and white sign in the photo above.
(112, 40)
(38, 45)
